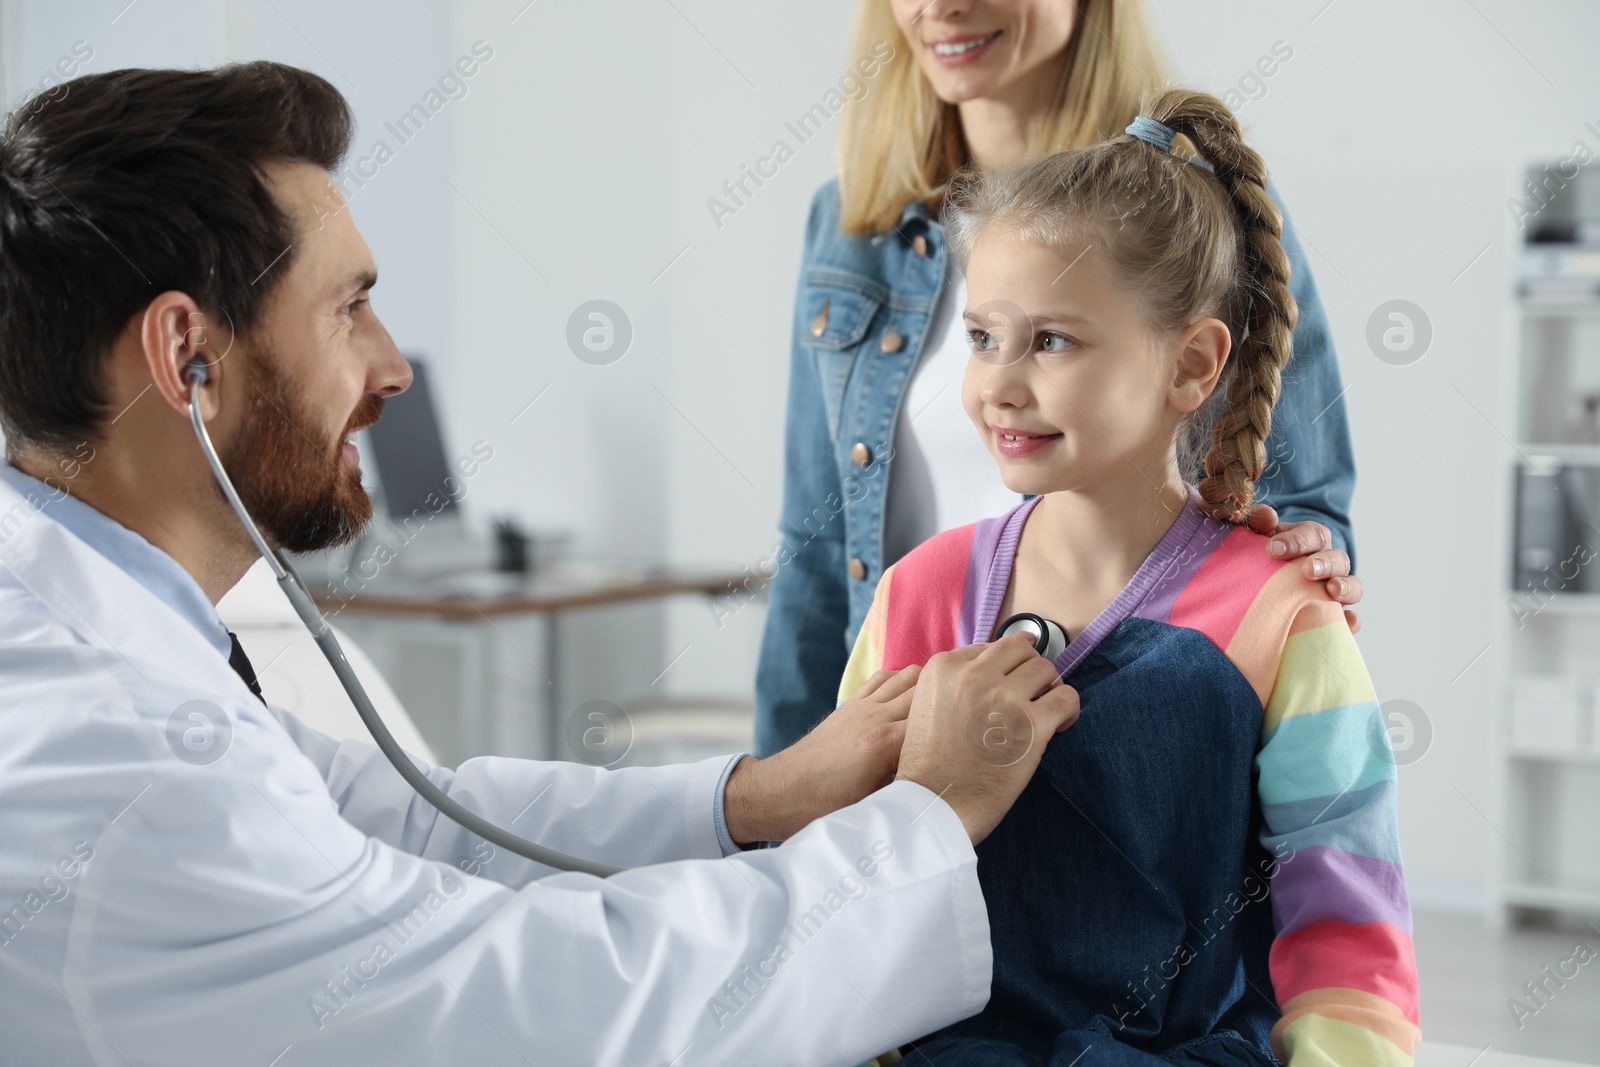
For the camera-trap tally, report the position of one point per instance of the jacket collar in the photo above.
(142, 561)
(916, 209)
(101, 603)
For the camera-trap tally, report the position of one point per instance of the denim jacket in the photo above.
(861, 317)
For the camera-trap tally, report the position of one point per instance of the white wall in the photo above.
(587, 147)
(399, 213)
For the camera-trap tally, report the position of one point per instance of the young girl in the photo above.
(1123, 299)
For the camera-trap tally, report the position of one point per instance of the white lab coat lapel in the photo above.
(104, 605)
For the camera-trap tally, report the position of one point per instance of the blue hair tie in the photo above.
(1156, 133)
(1160, 134)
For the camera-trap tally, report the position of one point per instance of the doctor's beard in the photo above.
(287, 469)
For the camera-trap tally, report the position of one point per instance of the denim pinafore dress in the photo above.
(1127, 887)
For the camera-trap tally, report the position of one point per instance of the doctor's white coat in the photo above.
(256, 893)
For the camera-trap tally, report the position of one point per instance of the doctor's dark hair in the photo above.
(126, 185)
(1189, 243)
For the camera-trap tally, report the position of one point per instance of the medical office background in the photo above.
(601, 151)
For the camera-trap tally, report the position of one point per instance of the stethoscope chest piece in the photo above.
(1049, 638)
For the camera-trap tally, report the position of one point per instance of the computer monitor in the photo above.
(409, 450)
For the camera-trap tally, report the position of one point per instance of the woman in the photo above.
(878, 331)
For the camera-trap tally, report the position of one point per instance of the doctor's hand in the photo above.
(1322, 562)
(980, 719)
(847, 756)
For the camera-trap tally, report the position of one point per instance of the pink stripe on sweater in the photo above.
(1373, 957)
(1225, 586)
(924, 617)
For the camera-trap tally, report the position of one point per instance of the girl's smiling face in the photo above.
(1068, 386)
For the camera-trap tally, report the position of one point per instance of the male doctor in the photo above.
(290, 901)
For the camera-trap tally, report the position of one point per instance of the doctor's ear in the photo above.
(181, 345)
(1203, 349)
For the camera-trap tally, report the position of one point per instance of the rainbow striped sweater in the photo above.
(1228, 730)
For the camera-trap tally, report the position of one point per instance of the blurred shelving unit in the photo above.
(1550, 726)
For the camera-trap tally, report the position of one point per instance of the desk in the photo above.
(511, 683)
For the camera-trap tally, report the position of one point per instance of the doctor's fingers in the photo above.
(1056, 710)
(872, 684)
(1030, 680)
(1007, 654)
(884, 686)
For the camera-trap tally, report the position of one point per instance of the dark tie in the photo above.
(241, 666)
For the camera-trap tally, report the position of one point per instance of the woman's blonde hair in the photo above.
(901, 142)
(1190, 244)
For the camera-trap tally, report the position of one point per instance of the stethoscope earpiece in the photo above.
(197, 371)
(1049, 638)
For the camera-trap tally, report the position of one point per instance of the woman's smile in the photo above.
(962, 50)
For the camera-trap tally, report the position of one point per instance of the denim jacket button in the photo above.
(860, 454)
(892, 341)
(858, 570)
(820, 323)
(920, 243)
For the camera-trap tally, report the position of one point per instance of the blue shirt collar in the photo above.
(142, 561)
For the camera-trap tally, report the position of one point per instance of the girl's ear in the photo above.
(1202, 354)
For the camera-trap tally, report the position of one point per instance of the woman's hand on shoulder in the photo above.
(1312, 544)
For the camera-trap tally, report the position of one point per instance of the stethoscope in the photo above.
(1049, 641)
(197, 373)
(1049, 638)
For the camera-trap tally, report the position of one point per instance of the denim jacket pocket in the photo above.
(836, 312)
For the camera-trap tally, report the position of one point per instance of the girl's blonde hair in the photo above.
(901, 142)
(1191, 244)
